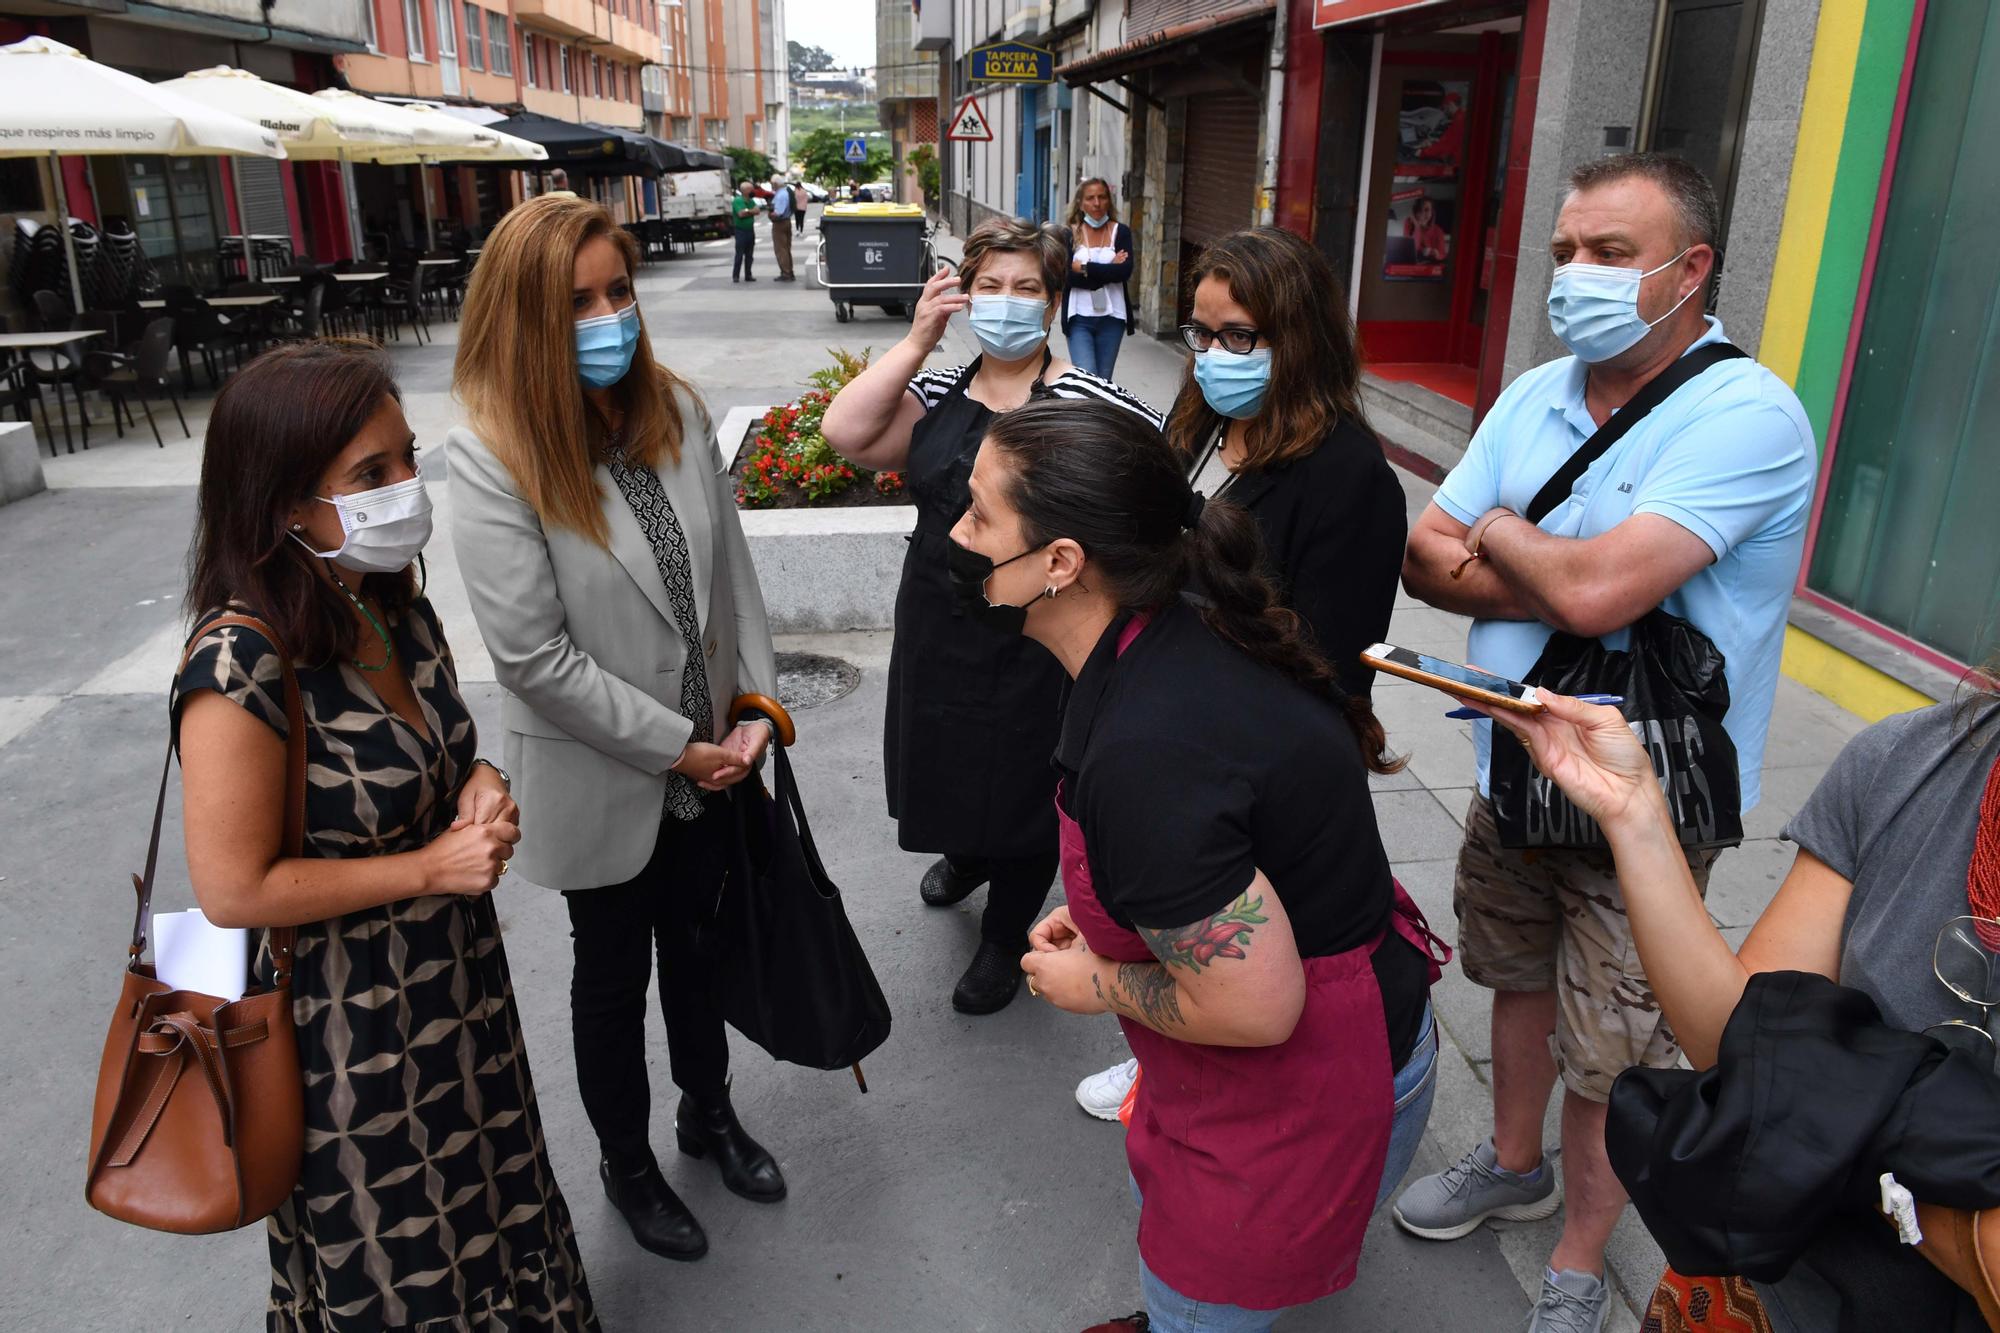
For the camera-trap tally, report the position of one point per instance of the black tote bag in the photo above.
(1675, 697)
(789, 971)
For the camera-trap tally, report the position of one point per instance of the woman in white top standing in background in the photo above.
(1097, 309)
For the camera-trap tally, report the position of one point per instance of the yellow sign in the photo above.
(1010, 62)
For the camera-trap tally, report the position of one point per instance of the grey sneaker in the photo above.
(1455, 1201)
(1571, 1302)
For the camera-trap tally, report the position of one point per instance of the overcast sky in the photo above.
(844, 27)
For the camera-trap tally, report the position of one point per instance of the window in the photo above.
(563, 53)
(413, 27)
(447, 32)
(374, 36)
(1906, 535)
(528, 60)
(596, 75)
(499, 44)
(475, 38)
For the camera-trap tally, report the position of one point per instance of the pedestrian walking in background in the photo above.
(1700, 510)
(743, 219)
(1269, 417)
(1098, 311)
(559, 184)
(801, 201)
(971, 715)
(606, 565)
(783, 204)
(1228, 895)
(425, 1197)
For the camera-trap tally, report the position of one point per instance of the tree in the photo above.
(808, 59)
(749, 164)
(924, 166)
(822, 155)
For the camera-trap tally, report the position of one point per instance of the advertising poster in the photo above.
(1422, 213)
(1430, 138)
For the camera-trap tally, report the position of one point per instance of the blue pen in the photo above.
(1467, 714)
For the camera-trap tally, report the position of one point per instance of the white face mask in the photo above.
(383, 528)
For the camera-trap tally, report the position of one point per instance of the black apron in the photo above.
(973, 714)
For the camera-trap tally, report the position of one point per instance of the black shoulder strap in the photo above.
(1656, 391)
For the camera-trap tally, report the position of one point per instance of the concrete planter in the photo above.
(822, 569)
(20, 462)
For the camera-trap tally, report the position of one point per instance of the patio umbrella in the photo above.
(593, 149)
(439, 137)
(311, 128)
(55, 100)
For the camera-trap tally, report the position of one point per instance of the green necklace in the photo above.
(388, 648)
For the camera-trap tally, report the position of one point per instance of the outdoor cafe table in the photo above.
(224, 301)
(433, 263)
(359, 277)
(53, 338)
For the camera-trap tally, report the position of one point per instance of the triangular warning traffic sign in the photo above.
(969, 123)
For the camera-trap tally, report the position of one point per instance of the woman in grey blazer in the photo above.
(607, 569)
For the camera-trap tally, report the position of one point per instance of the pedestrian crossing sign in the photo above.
(969, 123)
(856, 149)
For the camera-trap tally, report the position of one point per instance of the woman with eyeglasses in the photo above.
(1898, 845)
(1269, 417)
(971, 717)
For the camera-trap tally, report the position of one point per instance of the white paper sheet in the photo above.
(191, 954)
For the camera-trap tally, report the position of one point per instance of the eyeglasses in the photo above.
(1964, 960)
(1237, 339)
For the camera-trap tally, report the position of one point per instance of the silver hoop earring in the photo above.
(298, 527)
(1052, 592)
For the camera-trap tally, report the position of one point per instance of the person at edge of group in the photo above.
(606, 565)
(743, 220)
(1098, 312)
(1269, 417)
(784, 202)
(1885, 867)
(1701, 510)
(1228, 894)
(971, 715)
(399, 961)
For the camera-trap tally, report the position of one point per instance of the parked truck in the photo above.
(696, 204)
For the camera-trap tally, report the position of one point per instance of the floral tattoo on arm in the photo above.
(1226, 934)
(1149, 993)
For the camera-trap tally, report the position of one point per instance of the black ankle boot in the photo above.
(704, 1127)
(990, 980)
(660, 1222)
(945, 883)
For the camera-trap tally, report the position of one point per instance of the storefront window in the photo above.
(1908, 536)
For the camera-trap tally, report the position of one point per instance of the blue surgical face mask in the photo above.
(1097, 220)
(1009, 327)
(1234, 385)
(604, 346)
(1594, 308)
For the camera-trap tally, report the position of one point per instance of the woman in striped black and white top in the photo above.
(972, 713)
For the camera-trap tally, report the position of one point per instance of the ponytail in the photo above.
(1242, 607)
(1102, 476)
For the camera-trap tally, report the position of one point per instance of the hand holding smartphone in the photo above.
(1464, 682)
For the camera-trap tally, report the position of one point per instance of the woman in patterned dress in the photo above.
(597, 532)
(425, 1199)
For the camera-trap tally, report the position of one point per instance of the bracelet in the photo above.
(505, 781)
(1479, 542)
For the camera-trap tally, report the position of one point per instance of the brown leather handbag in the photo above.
(200, 1123)
(1965, 1247)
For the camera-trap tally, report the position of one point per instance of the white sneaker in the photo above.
(1103, 1093)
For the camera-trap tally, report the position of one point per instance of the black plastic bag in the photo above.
(1675, 695)
(789, 971)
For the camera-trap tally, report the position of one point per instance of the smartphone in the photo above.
(1460, 681)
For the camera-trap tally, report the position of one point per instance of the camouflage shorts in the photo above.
(1540, 921)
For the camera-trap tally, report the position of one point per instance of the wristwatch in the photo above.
(504, 779)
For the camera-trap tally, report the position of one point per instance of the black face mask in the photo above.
(969, 571)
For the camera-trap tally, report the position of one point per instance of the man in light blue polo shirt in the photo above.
(1701, 509)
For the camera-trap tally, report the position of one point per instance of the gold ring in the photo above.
(503, 867)
(1031, 989)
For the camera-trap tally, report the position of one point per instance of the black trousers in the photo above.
(617, 932)
(1016, 889)
(746, 251)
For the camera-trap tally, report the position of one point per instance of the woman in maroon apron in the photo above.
(1229, 897)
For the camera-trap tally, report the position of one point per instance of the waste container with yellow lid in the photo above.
(874, 254)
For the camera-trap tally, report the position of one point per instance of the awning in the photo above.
(600, 150)
(700, 159)
(1155, 48)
